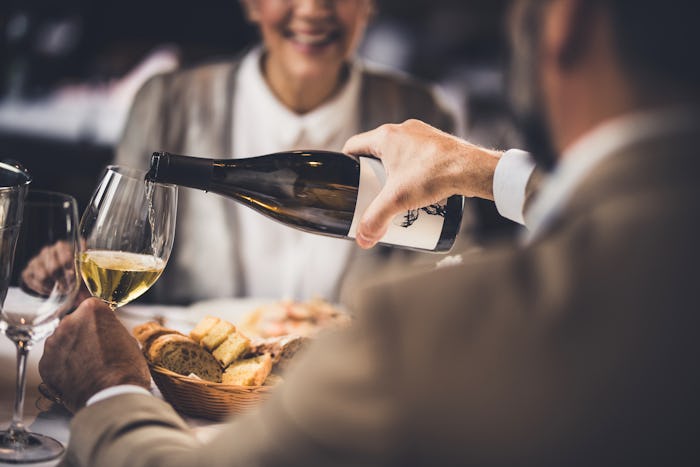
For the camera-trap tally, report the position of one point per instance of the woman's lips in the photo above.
(312, 41)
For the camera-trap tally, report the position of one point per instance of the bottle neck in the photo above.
(194, 172)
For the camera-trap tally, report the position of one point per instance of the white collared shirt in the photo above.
(279, 261)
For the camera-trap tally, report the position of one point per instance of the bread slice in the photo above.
(233, 347)
(248, 372)
(203, 327)
(217, 334)
(146, 333)
(281, 349)
(183, 355)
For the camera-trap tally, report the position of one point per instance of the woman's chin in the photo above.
(314, 71)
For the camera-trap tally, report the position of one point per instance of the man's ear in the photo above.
(372, 8)
(568, 24)
(251, 10)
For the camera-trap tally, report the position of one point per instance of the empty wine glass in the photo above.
(42, 287)
(128, 229)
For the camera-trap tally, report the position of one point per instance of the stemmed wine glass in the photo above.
(128, 229)
(42, 288)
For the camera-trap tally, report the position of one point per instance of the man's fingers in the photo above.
(375, 221)
(65, 254)
(44, 366)
(368, 142)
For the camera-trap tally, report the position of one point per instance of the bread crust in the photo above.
(248, 372)
(182, 355)
(146, 333)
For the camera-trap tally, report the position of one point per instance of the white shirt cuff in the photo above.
(116, 391)
(509, 182)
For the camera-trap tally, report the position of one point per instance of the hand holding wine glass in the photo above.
(71, 369)
(128, 229)
(36, 300)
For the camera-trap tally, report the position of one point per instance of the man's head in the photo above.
(576, 63)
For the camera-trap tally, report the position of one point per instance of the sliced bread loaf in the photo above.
(182, 355)
(203, 327)
(248, 372)
(281, 349)
(146, 333)
(217, 334)
(233, 347)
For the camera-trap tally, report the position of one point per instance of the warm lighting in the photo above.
(260, 203)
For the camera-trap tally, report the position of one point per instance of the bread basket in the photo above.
(204, 399)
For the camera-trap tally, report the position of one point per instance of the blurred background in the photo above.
(70, 69)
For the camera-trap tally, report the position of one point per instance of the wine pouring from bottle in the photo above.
(321, 192)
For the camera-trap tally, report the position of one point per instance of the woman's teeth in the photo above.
(313, 38)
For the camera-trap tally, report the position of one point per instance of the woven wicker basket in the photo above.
(204, 399)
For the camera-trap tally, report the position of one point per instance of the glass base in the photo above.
(26, 447)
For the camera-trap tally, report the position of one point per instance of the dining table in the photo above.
(43, 416)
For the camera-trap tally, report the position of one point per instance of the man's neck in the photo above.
(616, 113)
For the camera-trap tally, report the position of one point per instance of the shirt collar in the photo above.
(580, 158)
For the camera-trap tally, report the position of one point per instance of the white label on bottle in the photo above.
(417, 228)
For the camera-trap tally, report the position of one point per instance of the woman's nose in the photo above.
(313, 7)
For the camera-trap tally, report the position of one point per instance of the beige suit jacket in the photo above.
(580, 349)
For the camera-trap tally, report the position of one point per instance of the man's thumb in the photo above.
(375, 220)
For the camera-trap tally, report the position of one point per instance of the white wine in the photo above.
(118, 277)
(316, 191)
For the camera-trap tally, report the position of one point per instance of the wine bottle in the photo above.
(321, 192)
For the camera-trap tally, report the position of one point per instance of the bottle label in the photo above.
(417, 228)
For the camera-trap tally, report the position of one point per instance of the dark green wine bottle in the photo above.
(320, 192)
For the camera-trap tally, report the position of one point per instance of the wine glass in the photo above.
(128, 229)
(42, 288)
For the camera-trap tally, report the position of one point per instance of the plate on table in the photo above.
(269, 318)
(184, 318)
(256, 317)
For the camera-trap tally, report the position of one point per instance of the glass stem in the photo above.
(17, 426)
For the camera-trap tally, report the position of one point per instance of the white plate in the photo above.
(184, 319)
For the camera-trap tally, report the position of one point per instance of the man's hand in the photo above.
(423, 165)
(90, 351)
(54, 266)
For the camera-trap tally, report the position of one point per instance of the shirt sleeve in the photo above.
(509, 182)
(116, 391)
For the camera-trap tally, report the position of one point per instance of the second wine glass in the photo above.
(128, 229)
(39, 265)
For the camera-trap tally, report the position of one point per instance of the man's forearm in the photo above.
(130, 430)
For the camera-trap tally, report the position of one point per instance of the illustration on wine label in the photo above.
(409, 229)
(411, 215)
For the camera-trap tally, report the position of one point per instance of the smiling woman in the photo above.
(308, 45)
(302, 87)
